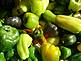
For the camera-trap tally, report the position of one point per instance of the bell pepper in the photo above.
(22, 47)
(2, 58)
(9, 36)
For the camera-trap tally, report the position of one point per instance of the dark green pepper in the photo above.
(76, 57)
(8, 37)
(34, 55)
(2, 58)
(69, 39)
(65, 52)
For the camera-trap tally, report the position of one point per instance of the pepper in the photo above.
(2, 58)
(38, 6)
(22, 47)
(68, 23)
(75, 5)
(49, 51)
(8, 37)
(31, 20)
(34, 54)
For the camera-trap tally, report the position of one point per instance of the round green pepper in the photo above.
(69, 39)
(65, 52)
(31, 21)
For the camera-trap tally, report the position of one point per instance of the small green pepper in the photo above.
(22, 47)
(8, 37)
(2, 58)
(38, 6)
(65, 52)
(69, 39)
(76, 57)
(31, 21)
(32, 53)
(75, 5)
(10, 54)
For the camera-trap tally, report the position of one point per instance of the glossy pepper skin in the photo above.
(50, 52)
(34, 54)
(30, 20)
(8, 37)
(66, 22)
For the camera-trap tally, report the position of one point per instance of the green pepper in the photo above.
(2, 58)
(75, 5)
(34, 54)
(22, 47)
(66, 22)
(31, 20)
(69, 39)
(9, 36)
(10, 54)
(38, 6)
(76, 57)
(65, 52)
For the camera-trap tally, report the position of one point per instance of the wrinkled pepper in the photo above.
(2, 58)
(49, 52)
(34, 54)
(22, 47)
(66, 22)
(9, 36)
(38, 6)
(75, 5)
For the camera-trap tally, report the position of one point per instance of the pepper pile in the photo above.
(40, 30)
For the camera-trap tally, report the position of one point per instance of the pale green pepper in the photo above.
(22, 46)
(75, 5)
(38, 6)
